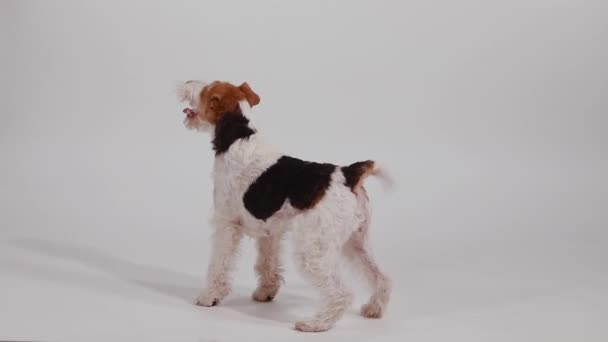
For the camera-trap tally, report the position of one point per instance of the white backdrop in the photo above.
(491, 115)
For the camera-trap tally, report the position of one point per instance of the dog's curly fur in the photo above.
(333, 226)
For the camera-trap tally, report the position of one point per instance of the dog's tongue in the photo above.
(189, 112)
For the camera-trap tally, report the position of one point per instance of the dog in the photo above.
(262, 193)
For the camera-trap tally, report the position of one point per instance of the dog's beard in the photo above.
(198, 125)
(204, 127)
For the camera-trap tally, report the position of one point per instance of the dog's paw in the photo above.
(372, 310)
(312, 325)
(206, 299)
(265, 294)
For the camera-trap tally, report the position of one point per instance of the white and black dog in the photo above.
(263, 193)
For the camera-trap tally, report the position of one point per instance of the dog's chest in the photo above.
(235, 170)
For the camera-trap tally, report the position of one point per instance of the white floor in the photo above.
(120, 287)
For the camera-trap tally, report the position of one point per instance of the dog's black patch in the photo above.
(353, 172)
(302, 183)
(229, 128)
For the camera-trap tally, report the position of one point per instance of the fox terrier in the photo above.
(263, 193)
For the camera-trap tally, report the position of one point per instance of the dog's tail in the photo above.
(356, 173)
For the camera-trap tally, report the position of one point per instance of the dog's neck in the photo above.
(230, 127)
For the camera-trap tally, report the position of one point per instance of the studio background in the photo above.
(491, 115)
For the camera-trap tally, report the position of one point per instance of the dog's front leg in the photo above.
(268, 268)
(226, 240)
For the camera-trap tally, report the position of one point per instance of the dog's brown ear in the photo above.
(250, 96)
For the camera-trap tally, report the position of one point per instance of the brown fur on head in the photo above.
(208, 102)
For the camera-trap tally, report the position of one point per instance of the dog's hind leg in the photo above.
(318, 257)
(268, 268)
(357, 251)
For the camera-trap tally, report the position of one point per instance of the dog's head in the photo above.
(209, 101)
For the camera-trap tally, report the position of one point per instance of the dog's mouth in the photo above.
(189, 113)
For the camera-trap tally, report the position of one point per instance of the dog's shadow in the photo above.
(160, 280)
